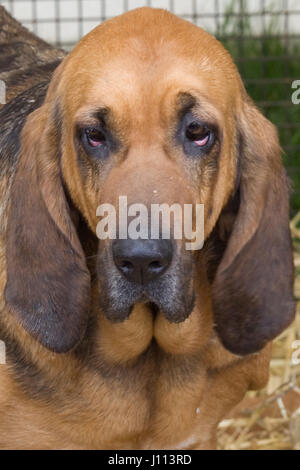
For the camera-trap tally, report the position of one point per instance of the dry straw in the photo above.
(270, 419)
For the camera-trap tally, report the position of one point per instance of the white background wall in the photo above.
(92, 11)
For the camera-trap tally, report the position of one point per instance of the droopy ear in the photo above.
(48, 286)
(253, 287)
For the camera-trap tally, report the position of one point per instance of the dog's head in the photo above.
(151, 108)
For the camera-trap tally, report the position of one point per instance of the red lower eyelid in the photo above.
(202, 142)
(95, 143)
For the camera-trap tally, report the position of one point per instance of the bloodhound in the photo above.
(136, 344)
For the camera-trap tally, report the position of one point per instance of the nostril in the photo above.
(126, 266)
(155, 266)
(142, 261)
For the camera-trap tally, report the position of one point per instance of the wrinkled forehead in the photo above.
(140, 74)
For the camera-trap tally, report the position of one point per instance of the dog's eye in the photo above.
(95, 137)
(198, 134)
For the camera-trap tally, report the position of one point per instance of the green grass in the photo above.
(281, 64)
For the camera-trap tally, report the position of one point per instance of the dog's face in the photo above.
(150, 107)
(149, 122)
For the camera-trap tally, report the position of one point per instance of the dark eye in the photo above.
(198, 133)
(95, 137)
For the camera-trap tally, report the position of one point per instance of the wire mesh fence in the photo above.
(263, 36)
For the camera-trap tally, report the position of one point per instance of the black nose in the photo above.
(142, 260)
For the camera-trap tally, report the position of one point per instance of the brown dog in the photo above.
(137, 344)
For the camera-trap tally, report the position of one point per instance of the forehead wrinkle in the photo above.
(141, 91)
(92, 114)
(138, 67)
(148, 109)
(148, 44)
(117, 83)
(130, 91)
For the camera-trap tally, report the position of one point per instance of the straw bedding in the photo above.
(270, 419)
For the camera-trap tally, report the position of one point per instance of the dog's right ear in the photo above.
(48, 283)
(253, 288)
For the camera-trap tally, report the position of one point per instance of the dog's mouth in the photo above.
(172, 297)
(172, 294)
(153, 308)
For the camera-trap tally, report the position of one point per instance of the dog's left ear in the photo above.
(48, 282)
(253, 287)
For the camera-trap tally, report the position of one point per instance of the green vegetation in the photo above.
(268, 66)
